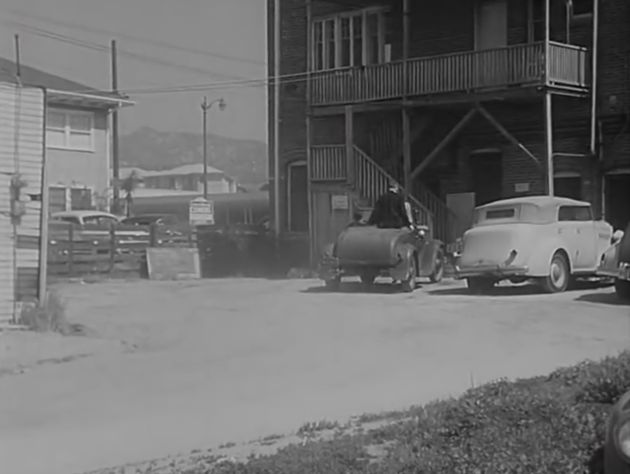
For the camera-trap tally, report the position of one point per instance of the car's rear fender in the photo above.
(540, 259)
(428, 256)
(407, 254)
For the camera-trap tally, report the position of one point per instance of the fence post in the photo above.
(113, 246)
(152, 235)
(191, 236)
(70, 248)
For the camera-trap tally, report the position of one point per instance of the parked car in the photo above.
(83, 218)
(551, 240)
(150, 219)
(617, 443)
(94, 225)
(369, 251)
(615, 263)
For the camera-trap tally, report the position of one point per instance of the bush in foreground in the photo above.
(539, 425)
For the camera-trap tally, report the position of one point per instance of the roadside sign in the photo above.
(339, 202)
(201, 212)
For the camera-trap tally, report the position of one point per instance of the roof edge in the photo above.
(118, 101)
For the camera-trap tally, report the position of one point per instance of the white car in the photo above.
(87, 217)
(548, 239)
(97, 224)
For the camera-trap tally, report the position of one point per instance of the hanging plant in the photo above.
(18, 209)
(17, 184)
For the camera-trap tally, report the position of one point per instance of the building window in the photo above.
(70, 130)
(349, 39)
(581, 8)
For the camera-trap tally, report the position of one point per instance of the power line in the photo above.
(234, 81)
(133, 38)
(102, 48)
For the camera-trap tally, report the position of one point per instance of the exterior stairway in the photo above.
(368, 180)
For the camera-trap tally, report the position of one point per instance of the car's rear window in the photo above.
(575, 213)
(500, 213)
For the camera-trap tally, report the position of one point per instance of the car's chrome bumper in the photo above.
(333, 267)
(501, 271)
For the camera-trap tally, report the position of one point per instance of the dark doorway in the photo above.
(487, 176)
(617, 195)
(568, 187)
(298, 198)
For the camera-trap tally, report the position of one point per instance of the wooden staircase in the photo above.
(368, 180)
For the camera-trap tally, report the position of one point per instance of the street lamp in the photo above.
(205, 106)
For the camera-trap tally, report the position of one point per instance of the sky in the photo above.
(161, 44)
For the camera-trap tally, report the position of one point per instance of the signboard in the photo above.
(339, 202)
(201, 212)
(521, 187)
(173, 263)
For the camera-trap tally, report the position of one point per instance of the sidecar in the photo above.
(368, 252)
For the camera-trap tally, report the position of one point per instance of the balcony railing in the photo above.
(328, 163)
(466, 72)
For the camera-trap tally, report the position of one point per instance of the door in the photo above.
(568, 186)
(328, 219)
(491, 39)
(463, 206)
(487, 176)
(617, 197)
(297, 201)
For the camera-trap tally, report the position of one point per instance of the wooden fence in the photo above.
(96, 249)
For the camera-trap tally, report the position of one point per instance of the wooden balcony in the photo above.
(473, 72)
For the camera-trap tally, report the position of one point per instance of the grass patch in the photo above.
(545, 424)
(309, 429)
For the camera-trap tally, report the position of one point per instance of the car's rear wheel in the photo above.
(333, 284)
(409, 283)
(438, 271)
(622, 288)
(479, 284)
(559, 277)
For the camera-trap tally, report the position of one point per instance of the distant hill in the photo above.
(245, 160)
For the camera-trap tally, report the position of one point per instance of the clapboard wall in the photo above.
(21, 153)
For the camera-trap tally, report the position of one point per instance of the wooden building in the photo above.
(461, 101)
(22, 195)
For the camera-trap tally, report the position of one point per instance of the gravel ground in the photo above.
(170, 367)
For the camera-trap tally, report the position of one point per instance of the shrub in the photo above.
(51, 316)
(598, 382)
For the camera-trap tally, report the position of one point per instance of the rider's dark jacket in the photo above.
(389, 211)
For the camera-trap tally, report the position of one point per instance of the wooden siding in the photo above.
(21, 151)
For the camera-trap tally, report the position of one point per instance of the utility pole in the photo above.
(115, 145)
(18, 67)
(205, 107)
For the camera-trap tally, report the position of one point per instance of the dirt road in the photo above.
(171, 367)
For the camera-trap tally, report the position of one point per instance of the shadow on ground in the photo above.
(516, 290)
(603, 298)
(378, 288)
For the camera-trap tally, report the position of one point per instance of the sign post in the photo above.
(201, 212)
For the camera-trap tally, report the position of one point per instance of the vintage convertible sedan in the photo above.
(369, 251)
(615, 263)
(617, 444)
(550, 240)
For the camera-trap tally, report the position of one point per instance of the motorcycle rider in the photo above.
(392, 210)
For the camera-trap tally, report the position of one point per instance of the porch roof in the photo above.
(62, 91)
